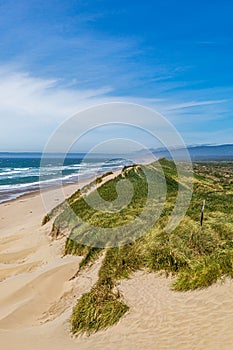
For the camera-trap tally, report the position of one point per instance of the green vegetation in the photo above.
(55, 212)
(97, 310)
(197, 258)
(45, 219)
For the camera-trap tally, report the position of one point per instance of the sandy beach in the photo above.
(37, 295)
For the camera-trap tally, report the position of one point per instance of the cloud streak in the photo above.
(191, 104)
(32, 107)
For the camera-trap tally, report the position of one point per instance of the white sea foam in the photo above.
(16, 181)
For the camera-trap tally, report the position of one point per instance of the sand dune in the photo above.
(8, 242)
(25, 305)
(16, 269)
(37, 296)
(16, 257)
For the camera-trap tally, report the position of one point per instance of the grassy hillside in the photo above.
(197, 258)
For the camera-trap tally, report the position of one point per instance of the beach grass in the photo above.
(195, 257)
(96, 310)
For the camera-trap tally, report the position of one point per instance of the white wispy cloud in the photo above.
(21, 93)
(220, 136)
(31, 107)
(191, 104)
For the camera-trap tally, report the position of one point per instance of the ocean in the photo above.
(22, 173)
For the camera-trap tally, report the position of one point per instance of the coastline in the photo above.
(37, 296)
(67, 187)
(13, 190)
(74, 185)
(34, 202)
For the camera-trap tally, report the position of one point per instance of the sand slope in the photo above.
(37, 296)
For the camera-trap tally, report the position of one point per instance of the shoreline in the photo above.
(67, 187)
(79, 184)
(16, 193)
(38, 203)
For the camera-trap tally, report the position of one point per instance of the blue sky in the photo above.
(57, 57)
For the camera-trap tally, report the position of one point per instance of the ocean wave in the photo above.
(53, 175)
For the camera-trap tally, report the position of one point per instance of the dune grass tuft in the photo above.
(46, 219)
(96, 310)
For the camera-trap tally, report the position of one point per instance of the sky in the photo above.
(60, 57)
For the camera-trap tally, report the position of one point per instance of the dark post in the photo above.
(202, 213)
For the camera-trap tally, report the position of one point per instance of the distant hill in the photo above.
(200, 153)
(197, 153)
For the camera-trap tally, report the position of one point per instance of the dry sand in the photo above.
(36, 296)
